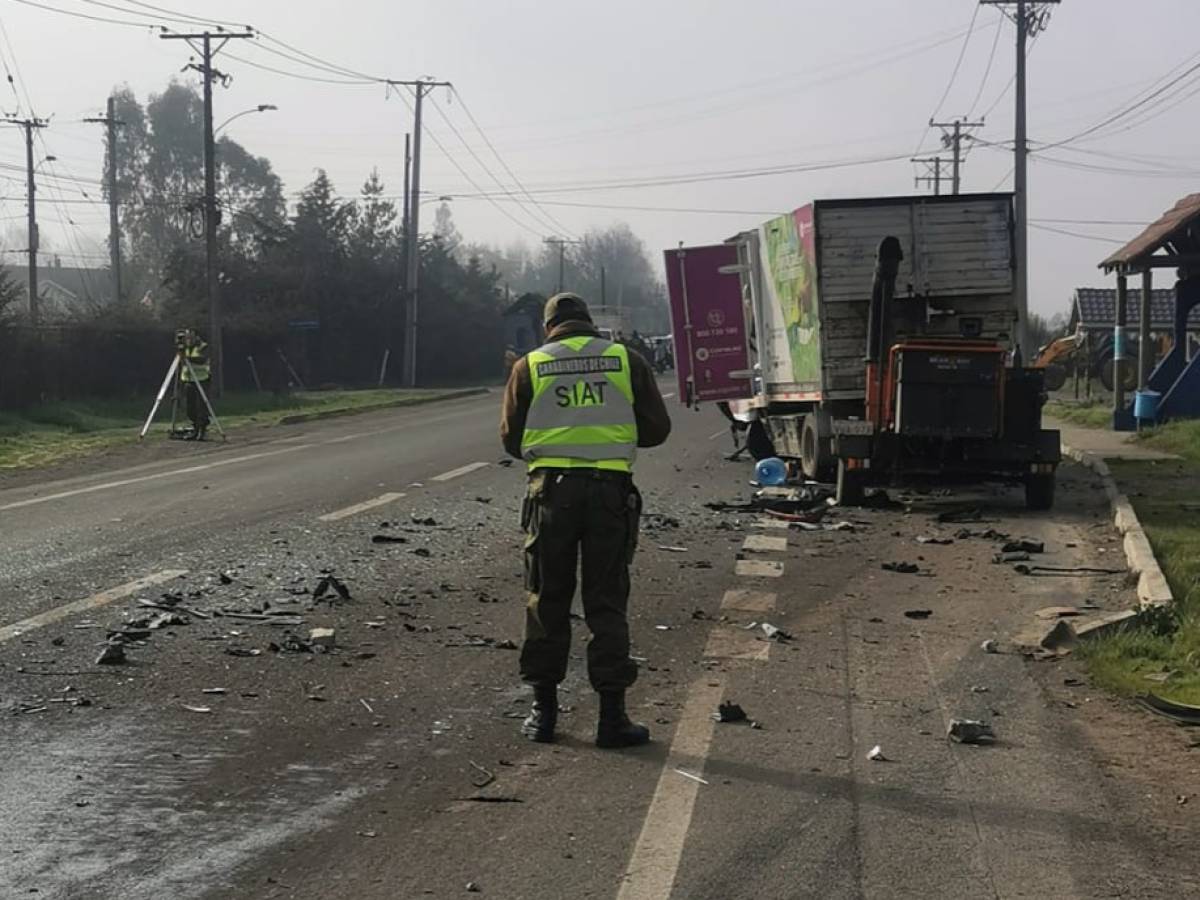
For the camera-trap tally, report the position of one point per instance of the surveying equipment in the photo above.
(179, 364)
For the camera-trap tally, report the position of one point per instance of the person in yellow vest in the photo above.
(195, 351)
(576, 410)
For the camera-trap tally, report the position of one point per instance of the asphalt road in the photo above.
(220, 763)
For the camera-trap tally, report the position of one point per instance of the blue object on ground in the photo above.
(1145, 405)
(771, 472)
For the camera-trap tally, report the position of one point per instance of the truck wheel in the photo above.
(1039, 491)
(758, 441)
(1054, 377)
(816, 461)
(850, 488)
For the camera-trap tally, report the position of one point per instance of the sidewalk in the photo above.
(1105, 444)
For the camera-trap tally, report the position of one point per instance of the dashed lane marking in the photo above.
(765, 543)
(758, 568)
(725, 642)
(125, 482)
(654, 863)
(381, 500)
(103, 598)
(461, 470)
(749, 601)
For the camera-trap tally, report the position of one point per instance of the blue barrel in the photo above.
(1145, 405)
(771, 472)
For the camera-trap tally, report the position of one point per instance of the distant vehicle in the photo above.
(878, 340)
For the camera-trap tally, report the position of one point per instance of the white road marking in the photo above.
(125, 482)
(668, 396)
(461, 470)
(655, 859)
(351, 437)
(725, 642)
(749, 601)
(758, 568)
(765, 543)
(713, 437)
(381, 500)
(96, 600)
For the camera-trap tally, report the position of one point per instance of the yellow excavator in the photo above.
(1052, 358)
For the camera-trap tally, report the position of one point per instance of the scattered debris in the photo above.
(1062, 636)
(928, 539)
(979, 689)
(367, 706)
(662, 627)
(990, 646)
(1024, 545)
(473, 888)
(1011, 556)
(905, 568)
(421, 551)
(388, 539)
(990, 534)
(918, 613)
(112, 654)
(198, 709)
(1058, 612)
(654, 521)
(730, 712)
(1183, 713)
(427, 521)
(486, 776)
(669, 549)
(775, 634)
(322, 639)
(167, 620)
(970, 514)
(330, 582)
(875, 754)
(214, 690)
(970, 731)
(1048, 571)
(690, 775)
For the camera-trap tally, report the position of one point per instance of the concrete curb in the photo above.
(299, 418)
(1152, 588)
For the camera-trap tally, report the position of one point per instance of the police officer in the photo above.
(195, 351)
(576, 410)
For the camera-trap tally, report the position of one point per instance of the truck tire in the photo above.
(850, 488)
(758, 441)
(816, 458)
(1054, 376)
(1128, 369)
(1039, 491)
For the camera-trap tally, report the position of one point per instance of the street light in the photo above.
(262, 107)
(49, 159)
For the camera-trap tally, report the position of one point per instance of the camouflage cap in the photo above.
(564, 307)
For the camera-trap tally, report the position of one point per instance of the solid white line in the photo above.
(124, 482)
(461, 470)
(758, 568)
(381, 500)
(96, 600)
(655, 859)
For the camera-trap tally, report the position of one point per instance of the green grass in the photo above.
(54, 432)
(1166, 497)
(1091, 414)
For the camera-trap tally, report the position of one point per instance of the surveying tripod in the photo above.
(172, 380)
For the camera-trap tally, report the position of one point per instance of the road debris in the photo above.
(167, 620)
(112, 654)
(198, 709)
(904, 568)
(730, 712)
(1058, 612)
(1011, 556)
(875, 754)
(388, 539)
(214, 690)
(322, 639)
(473, 888)
(774, 633)
(330, 582)
(929, 539)
(990, 646)
(918, 613)
(690, 775)
(969, 514)
(1025, 545)
(1061, 571)
(426, 521)
(485, 778)
(970, 731)
(669, 549)
(1183, 713)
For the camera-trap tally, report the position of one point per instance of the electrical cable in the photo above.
(987, 70)
(962, 52)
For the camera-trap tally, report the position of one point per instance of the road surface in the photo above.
(224, 761)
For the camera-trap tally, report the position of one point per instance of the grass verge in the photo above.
(1091, 414)
(1166, 496)
(55, 432)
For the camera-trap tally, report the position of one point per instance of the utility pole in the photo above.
(114, 225)
(420, 88)
(1031, 18)
(202, 43)
(933, 166)
(30, 125)
(562, 255)
(952, 138)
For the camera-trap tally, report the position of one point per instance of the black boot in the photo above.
(539, 726)
(615, 729)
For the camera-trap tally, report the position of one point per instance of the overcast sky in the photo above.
(577, 94)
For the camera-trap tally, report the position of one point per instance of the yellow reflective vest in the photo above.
(581, 415)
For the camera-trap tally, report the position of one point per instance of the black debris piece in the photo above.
(111, 654)
(1011, 556)
(990, 534)
(971, 514)
(225, 578)
(929, 539)
(918, 613)
(1065, 571)
(1183, 713)
(388, 539)
(421, 551)
(904, 568)
(1023, 546)
(730, 712)
(331, 583)
(774, 633)
(970, 731)
(427, 521)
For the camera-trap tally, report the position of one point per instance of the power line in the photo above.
(638, 208)
(1076, 234)
(962, 52)
(986, 72)
(89, 17)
